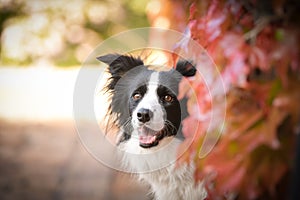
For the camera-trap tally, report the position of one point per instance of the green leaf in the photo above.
(279, 35)
(275, 89)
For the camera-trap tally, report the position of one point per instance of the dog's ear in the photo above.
(186, 68)
(118, 66)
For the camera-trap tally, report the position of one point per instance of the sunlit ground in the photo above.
(40, 94)
(41, 154)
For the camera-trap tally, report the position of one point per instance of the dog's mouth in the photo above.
(148, 137)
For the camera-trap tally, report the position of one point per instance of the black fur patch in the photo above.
(118, 66)
(186, 68)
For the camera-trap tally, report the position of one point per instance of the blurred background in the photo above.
(255, 46)
(43, 44)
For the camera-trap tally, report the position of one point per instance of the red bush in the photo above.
(255, 47)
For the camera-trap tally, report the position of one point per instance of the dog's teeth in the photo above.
(153, 138)
(147, 139)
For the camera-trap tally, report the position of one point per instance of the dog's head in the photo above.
(144, 102)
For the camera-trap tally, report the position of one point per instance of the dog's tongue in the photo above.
(147, 136)
(148, 139)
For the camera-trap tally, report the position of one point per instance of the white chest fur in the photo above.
(156, 166)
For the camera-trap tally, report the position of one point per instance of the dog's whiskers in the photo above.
(169, 128)
(127, 125)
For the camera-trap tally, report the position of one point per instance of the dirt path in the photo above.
(47, 161)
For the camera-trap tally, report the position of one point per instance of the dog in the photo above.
(148, 114)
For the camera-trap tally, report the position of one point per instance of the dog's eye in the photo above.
(168, 98)
(136, 96)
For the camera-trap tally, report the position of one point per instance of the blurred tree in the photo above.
(7, 11)
(62, 33)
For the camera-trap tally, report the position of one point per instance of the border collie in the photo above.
(148, 114)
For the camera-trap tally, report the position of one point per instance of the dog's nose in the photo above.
(144, 115)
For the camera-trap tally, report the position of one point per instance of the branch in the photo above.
(260, 25)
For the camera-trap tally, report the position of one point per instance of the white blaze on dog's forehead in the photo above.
(157, 122)
(154, 78)
(151, 101)
(153, 82)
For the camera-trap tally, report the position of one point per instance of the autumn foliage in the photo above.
(255, 47)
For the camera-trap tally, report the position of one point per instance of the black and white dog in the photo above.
(146, 109)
